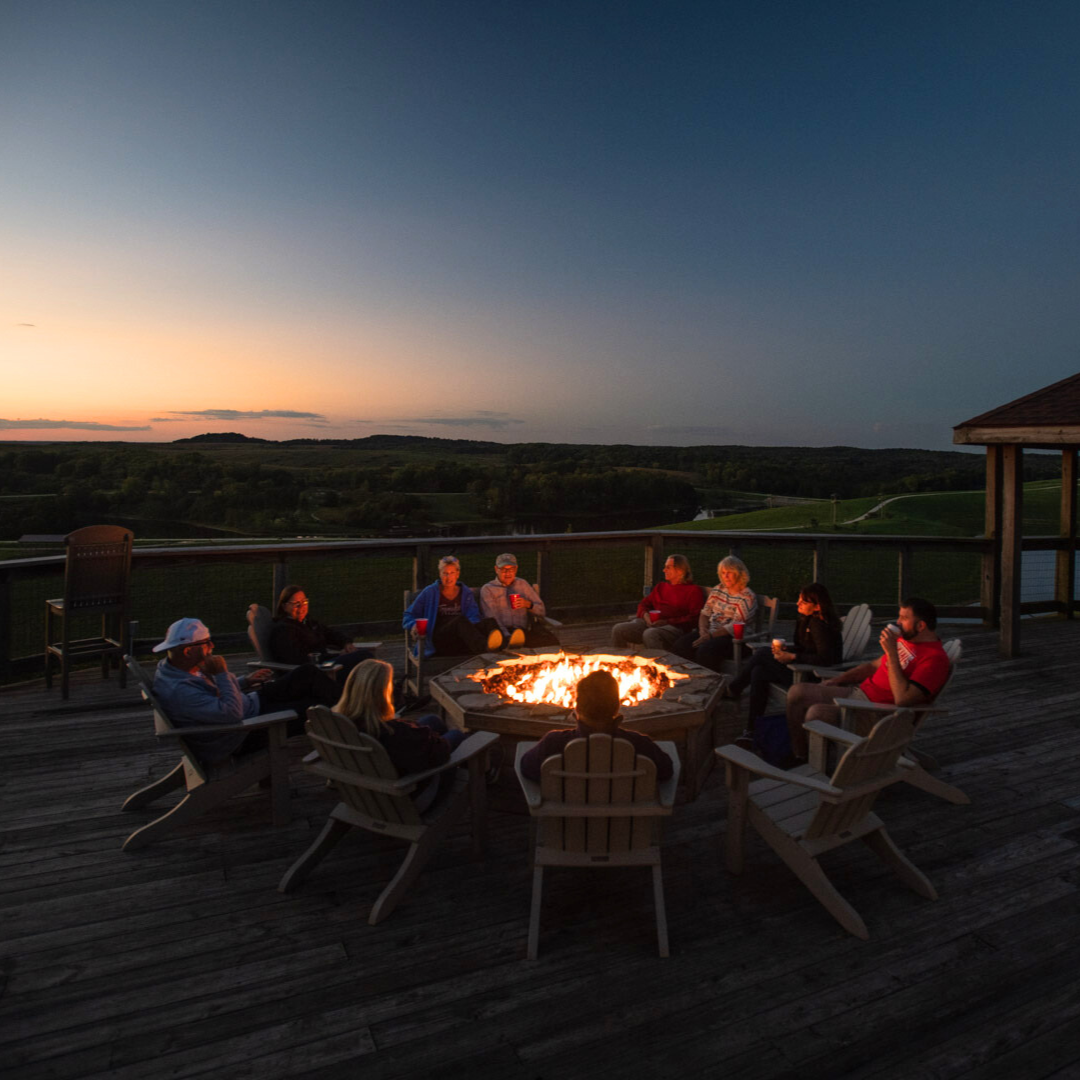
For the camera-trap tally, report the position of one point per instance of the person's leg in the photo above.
(660, 637)
(804, 697)
(299, 689)
(746, 672)
(713, 652)
(539, 636)
(764, 673)
(346, 661)
(629, 633)
(458, 637)
(684, 645)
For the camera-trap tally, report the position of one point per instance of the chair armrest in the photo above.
(833, 734)
(273, 665)
(879, 707)
(744, 759)
(470, 747)
(665, 790)
(253, 723)
(372, 645)
(529, 788)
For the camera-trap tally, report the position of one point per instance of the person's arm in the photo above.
(416, 609)
(531, 597)
(664, 767)
(414, 747)
(905, 691)
(534, 758)
(823, 644)
(855, 674)
(648, 602)
(469, 607)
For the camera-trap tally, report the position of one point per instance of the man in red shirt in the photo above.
(911, 670)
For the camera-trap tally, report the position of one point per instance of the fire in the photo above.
(552, 682)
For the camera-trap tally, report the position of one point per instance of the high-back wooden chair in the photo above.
(762, 629)
(208, 786)
(598, 804)
(802, 813)
(96, 577)
(858, 716)
(375, 797)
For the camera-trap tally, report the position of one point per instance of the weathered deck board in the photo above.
(182, 960)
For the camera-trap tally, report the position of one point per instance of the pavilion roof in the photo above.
(1047, 417)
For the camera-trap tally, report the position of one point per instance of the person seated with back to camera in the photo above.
(197, 690)
(455, 626)
(678, 601)
(597, 713)
(818, 640)
(509, 601)
(730, 602)
(412, 745)
(296, 636)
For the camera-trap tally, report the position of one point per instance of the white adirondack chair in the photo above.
(208, 786)
(376, 797)
(802, 814)
(598, 804)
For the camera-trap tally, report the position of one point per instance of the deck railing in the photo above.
(358, 584)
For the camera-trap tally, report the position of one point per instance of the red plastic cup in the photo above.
(421, 627)
(654, 614)
(515, 600)
(737, 630)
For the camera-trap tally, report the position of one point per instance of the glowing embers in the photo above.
(536, 680)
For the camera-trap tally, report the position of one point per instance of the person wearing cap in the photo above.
(197, 690)
(455, 626)
(510, 601)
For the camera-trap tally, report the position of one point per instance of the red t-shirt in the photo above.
(925, 663)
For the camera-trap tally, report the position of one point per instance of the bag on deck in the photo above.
(771, 739)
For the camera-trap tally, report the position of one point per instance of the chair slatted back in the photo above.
(873, 759)
(163, 725)
(97, 570)
(343, 746)
(856, 632)
(260, 623)
(765, 613)
(592, 772)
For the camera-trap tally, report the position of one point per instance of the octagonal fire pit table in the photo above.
(664, 696)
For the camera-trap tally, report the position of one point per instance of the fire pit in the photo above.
(527, 693)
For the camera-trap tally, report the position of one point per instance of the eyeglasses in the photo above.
(299, 603)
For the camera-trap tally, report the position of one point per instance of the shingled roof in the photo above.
(1048, 417)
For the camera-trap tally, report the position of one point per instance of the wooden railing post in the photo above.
(280, 578)
(543, 570)
(1065, 570)
(820, 571)
(654, 561)
(421, 558)
(903, 574)
(6, 615)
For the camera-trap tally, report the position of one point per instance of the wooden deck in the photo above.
(182, 959)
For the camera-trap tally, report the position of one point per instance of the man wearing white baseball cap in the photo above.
(197, 690)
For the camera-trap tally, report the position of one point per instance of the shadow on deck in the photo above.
(182, 959)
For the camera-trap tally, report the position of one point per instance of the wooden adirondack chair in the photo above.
(374, 796)
(261, 624)
(598, 804)
(858, 716)
(208, 786)
(763, 629)
(802, 813)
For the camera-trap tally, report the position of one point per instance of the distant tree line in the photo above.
(361, 485)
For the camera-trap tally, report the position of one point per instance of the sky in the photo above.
(667, 223)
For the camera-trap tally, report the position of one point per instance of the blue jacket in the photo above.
(193, 700)
(426, 606)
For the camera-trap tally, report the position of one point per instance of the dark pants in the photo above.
(457, 636)
(346, 661)
(538, 635)
(711, 653)
(758, 672)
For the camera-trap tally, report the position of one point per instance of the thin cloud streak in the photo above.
(241, 414)
(79, 425)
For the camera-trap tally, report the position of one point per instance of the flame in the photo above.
(553, 682)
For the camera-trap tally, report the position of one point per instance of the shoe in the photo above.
(729, 694)
(745, 740)
(517, 638)
(495, 641)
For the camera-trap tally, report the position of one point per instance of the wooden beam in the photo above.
(1012, 529)
(654, 561)
(991, 562)
(1065, 435)
(1065, 571)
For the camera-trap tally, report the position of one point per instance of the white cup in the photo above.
(893, 629)
(777, 643)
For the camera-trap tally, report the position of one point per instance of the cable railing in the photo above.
(358, 584)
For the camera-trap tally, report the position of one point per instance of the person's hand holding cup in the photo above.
(737, 630)
(421, 627)
(654, 615)
(515, 600)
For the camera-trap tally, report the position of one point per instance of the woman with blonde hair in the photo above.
(368, 700)
(728, 603)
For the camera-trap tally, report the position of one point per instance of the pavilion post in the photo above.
(1012, 530)
(1065, 572)
(991, 562)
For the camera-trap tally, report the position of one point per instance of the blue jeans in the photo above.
(451, 736)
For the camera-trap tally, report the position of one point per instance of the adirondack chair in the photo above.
(261, 624)
(858, 715)
(96, 575)
(803, 813)
(856, 633)
(598, 804)
(762, 631)
(374, 796)
(208, 786)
